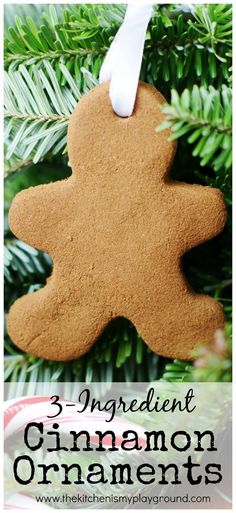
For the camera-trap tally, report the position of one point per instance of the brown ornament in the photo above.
(116, 230)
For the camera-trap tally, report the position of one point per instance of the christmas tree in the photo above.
(53, 55)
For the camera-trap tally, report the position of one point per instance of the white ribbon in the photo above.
(123, 61)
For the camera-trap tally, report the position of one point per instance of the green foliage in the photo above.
(48, 64)
(37, 111)
(45, 64)
(178, 371)
(181, 50)
(214, 26)
(71, 37)
(52, 56)
(80, 35)
(205, 113)
(34, 11)
(22, 261)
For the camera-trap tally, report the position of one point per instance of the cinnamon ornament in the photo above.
(116, 231)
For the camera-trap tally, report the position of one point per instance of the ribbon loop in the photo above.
(123, 61)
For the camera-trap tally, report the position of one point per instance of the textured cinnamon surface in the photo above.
(116, 230)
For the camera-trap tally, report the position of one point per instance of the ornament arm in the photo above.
(202, 215)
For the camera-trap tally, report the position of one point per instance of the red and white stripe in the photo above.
(21, 501)
(19, 412)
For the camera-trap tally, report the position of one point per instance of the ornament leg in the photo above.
(41, 325)
(175, 329)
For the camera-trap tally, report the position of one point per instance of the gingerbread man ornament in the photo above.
(116, 231)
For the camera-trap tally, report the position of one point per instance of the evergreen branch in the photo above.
(83, 29)
(174, 46)
(173, 53)
(214, 25)
(25, 264)
(53, 55)
(37, 111)
(177, 371)
(34, 11)
(207, 114)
